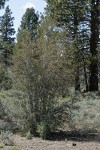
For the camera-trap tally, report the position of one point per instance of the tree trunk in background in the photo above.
(77, 79)
(86, 79)
(77, 76)
(93, 80)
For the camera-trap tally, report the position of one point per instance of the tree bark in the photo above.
(93, 80)
(77, 76)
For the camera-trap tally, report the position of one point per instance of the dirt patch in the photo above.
(39, 144)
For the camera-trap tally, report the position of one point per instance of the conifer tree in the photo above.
(69, 16)
(30, 22)
(81, 19)
(7, 33)
(94, 40)
(2, 3)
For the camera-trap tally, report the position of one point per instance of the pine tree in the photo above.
(2, 3)
(30, 22)
(7, 32)
(69, 16)
(94, 39)
(81, 19)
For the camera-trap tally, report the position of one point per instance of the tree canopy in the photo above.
(2, 3)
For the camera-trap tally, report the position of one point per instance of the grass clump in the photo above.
(2, 145)
(15, 148)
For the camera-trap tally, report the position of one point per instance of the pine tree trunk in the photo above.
(77, 76)
(85, 76)
(77, 79)
(93, 80)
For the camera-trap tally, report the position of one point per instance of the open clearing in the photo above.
(39, 144)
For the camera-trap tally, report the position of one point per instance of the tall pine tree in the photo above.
(81, 19)
(7, 33)
(94, 39)
(30, 22)
(69, 16)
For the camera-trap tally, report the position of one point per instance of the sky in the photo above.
(18, 8)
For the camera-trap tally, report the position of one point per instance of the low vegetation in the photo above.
(1, 145)
(78, 112)
(15, 148)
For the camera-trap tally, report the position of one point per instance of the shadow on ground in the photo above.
(75, 136)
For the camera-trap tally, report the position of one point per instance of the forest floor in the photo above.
(66, 144)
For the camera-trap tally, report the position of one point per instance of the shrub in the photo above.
(6, 137)
(5, 81)
(13, 110)
(87, 112)
(28, 135)
(44, 130)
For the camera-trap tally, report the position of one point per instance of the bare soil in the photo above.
(39, 144)
(66, 144)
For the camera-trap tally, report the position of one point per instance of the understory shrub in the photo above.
(13, 110)
(44, 130)
(28, 135)
(86, 113)
(6, 137)
(76, 112)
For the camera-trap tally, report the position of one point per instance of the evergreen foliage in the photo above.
(7, 32)
(2, 3)
(78, 17)
(30, 22)
(39, 70)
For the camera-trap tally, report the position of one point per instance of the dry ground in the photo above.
(39, 144)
